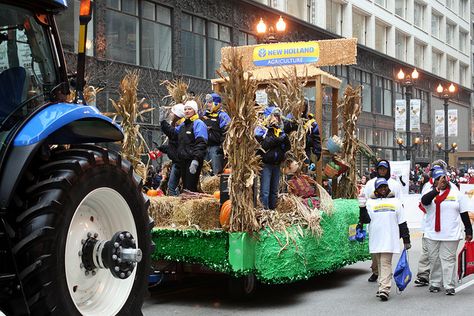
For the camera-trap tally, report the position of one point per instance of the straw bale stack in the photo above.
(210, 185)
(202, 213)
(161, 209)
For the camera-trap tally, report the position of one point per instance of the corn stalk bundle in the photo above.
(350, 109)
(291, 101)
(240, 144)
(177, 91)
(127, 108)
(90, 94)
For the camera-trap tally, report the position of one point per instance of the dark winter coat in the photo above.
(216, 127)
(192, 140)
(171, 149)
(274, 147)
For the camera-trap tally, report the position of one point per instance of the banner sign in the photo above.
(415, 110)
(281, 54)
(261, 97)
(401, 169)
(439, 123)
(467, 197)
(400, 116)
(453, 123)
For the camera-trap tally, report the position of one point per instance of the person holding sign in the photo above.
(442, 230)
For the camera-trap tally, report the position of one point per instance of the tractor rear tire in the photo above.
(80, 190)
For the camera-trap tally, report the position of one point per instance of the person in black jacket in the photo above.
(171, 149)
(275, 144)
(192, 146)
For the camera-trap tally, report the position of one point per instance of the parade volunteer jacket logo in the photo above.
(281, 54)
(384, 208)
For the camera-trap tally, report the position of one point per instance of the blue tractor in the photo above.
(74, 228)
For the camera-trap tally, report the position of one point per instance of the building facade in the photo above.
(166, 39)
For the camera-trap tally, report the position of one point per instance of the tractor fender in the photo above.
(60, 123)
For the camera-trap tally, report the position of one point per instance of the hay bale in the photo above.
(210, 185)
(161, 209)
(202, 212)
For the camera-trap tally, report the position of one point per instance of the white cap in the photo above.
(178, 110)
(192, 104)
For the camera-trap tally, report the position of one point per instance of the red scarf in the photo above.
(438, 200)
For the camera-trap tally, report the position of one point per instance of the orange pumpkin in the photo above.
(152, 192)
(227, 171)
(224, 217)
(217, 194)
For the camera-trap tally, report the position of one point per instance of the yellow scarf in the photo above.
(309, 123)
(194, 117)
(276, 131)
(178, 122)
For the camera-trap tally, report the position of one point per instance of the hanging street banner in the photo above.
(415, 110)
(281, 54)
(400, 116)
(317, 53)
(439, 123)
(453, 122)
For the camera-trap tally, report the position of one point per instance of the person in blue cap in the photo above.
(217, 121)
(384, 212)
(443, 230)
(274, 143)
(383, 170)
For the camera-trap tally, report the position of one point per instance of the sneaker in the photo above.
(373, 278)
(450, 292)
(421, 282)
(377, 294)
(383, 296)
(434, 289)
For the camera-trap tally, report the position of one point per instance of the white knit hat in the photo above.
(178, 110)
(192, 104)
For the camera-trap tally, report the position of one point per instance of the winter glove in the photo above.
(407, 246)
(360, 226)
(193, 166)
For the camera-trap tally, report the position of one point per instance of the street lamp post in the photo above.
(407, 81)
(270, 36)
(446, 94)
(407, 147)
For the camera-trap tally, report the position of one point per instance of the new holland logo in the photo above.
(286, 54)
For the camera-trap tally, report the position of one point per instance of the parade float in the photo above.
(227, 231)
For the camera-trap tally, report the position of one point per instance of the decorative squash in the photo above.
(152, 192)
(217, 194)
(227, 171)
(224, 217)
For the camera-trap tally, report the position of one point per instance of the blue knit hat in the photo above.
(382, 163)
(438, 172)
(379, 182)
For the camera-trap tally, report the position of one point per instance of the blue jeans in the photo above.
(173, 181)
(215, 155)
(269, 185)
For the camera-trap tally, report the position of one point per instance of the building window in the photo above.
(401, 46)
(463, 9)
(383, 96)
(359, 27)
(463, 73)
(156, 36)
(400, 8)
(382, 3)
(193, 39)
(121, 31)
(246, 39)
(450, 33)
(218, 37)
(381, 38)
(334, 17)
(364, 78)
(419, 55)
(435, 24)
(419, 15)
(463, 42)
(280, 5)
(450, 69)
(436, 63)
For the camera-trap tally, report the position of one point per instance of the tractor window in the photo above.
(27, 68)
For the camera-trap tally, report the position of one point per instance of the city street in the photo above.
(343, 292)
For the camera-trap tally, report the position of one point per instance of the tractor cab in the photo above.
(32, 71)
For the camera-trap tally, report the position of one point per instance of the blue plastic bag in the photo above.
(402, 273)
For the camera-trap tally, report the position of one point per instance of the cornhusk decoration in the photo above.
(128, 110)
(351, 109)
(240, 144)
(289, 95)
